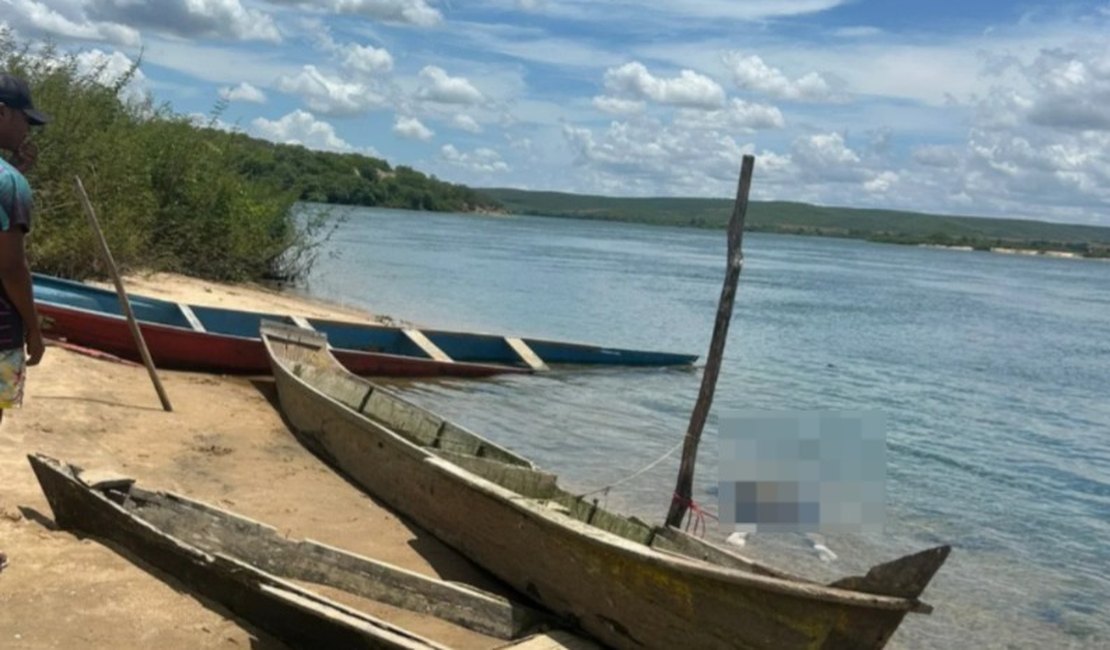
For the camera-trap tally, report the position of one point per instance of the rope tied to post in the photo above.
(696, 515)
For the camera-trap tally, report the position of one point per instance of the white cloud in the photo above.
(466, 123)
(537, 46)
(109, 68)
(751, 73)
(618, 106)
(895, 69)
(440, 87)
(244, 92)
(330, 95)
(189, 18)
(1039, 143)
(667, 11)
(68, 21)
(211, 122)
(300, 127)
(826, 157)
(363, 60)
(748, 9)
(881, 183)
(1072, 89)
(411, 12)
(366, 60)
(482, 159)
(932, 155)
(209, 62)
(648, 156)
(859, 31)
(688, 89)
(737, 115)
(412, 128)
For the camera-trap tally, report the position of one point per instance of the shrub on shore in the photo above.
(169, 194)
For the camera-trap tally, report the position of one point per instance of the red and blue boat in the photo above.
(214, 339)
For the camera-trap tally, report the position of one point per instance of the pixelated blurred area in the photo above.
(803, 471)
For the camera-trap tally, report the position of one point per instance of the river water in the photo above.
(993, 372)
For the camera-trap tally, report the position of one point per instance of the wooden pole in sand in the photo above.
(682, 498)
(122, 293)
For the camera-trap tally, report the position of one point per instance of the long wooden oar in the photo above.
(122, 293)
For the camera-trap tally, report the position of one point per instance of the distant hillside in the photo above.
(802, 218)
(349, 178)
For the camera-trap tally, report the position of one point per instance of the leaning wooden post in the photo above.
(123, 301)
(683, 491)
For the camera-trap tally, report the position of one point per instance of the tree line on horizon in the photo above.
(351, 178)
(785, 217)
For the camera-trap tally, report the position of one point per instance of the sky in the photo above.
(984, 108)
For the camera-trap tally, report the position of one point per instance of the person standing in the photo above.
(20, 335)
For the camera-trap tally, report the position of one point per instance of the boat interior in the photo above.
(260, 553)
(307, 358)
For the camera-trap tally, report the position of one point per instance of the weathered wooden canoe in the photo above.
(626, 583)
(213, 339)
(246, 566)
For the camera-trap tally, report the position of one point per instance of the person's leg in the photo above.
(11, 394)
(3, 556)
(12, 375)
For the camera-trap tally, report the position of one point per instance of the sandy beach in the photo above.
(225, 443)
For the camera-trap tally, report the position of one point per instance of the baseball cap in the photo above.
(15, 93)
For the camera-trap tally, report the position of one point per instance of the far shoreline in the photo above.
(1053, 253)
(1021, 252)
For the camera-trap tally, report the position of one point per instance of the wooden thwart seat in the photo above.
(526, 354)
(191, 316)
(302, 322)
(425, 344)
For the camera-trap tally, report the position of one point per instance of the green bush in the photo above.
(169, 195)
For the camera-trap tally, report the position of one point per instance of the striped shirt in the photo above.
(15, 212)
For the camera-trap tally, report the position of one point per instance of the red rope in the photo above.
(696, 516)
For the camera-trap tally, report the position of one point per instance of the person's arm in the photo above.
(15, 274)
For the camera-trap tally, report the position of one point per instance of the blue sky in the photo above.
(987, 108)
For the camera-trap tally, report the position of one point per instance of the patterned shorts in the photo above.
(12, 373)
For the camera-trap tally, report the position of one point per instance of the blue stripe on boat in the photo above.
(460, 346)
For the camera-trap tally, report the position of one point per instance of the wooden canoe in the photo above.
(212, 339)
(628, 584)
(247, 566)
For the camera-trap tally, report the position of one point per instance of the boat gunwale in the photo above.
(500, 368)
(553, 519)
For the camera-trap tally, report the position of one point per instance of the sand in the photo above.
(225, 444)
